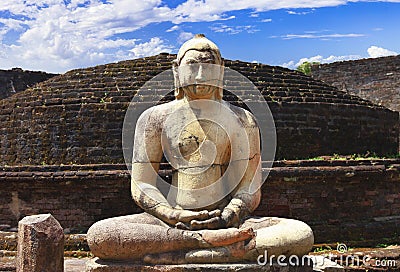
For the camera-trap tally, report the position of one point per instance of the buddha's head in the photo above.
(198, 70)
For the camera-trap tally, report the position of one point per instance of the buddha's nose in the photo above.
(200, 74)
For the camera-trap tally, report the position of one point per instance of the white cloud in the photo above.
(320, 36)
(216, 8)
(222, 28)
(174, 28)
(266, 20)
(376, 52)
(184, 36)
(373, 52)
(329, 59)
(293, 64)
(11, 24)
(291, 12)
(57, 35)
(153, 47)
(212, 10)
(289, 64)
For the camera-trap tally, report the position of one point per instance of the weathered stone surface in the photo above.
(40, 244)
(8, 241)
(7, 264)
(97, 265)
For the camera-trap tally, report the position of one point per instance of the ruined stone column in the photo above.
(40, 244)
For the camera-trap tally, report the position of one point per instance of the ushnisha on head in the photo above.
(198, 70)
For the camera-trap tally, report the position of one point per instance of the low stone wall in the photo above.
(341, 200)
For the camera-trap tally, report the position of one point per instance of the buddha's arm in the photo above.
(147, 154)
(246, 197)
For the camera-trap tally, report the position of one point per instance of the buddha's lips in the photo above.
(202, 87)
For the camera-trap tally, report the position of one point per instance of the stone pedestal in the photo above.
(97, 265)
(40, 244)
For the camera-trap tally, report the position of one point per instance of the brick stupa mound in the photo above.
(77, 117)
(17, 80)
(374, 79)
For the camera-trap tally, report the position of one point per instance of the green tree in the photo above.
(305, 67)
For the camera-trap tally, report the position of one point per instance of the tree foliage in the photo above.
(305, 67)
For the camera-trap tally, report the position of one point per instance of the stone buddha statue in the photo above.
(214, 150)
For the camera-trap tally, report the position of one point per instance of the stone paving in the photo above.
(377, 259)
(70, 264)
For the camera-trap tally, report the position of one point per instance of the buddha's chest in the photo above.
(200, 142)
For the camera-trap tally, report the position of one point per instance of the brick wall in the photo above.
(77, 118)
(377, 79)
(341, 200)
(18, 80)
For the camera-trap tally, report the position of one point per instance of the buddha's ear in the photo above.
(221, 83)
(222, 69)
(178, 90)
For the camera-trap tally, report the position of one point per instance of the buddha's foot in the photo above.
(232, 253)
(224, 237)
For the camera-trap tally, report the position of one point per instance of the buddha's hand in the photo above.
(182, 218)
(226, 219)
(186, 217)
(231, 216)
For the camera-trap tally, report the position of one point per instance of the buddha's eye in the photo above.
(208, 61)
(193, 66)
(191, 61)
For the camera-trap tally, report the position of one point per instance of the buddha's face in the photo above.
(199, 74)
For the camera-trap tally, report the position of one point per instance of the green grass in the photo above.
(322, 249)
(367, 156)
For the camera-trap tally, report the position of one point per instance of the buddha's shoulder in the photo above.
(245, 116)
(158, 113)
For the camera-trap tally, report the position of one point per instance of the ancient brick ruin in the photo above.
(18, 80)
(377, 79)
(61, 150)
(77, 118)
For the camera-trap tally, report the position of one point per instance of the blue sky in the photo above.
(60, 35)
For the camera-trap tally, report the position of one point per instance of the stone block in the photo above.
(97, 265)
(40, 244)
